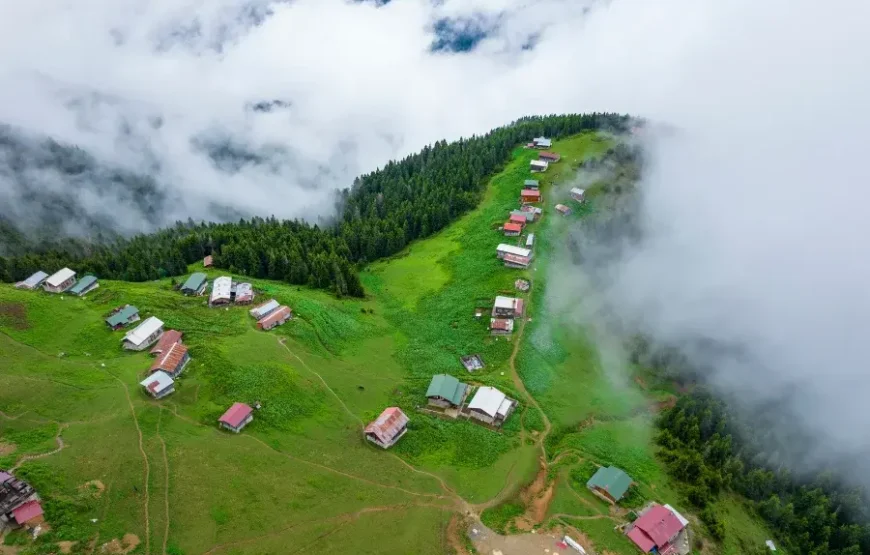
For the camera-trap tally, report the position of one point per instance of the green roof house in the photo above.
(83, 286)
(123, 316)
(609, 483)
(446, 391)
(195, 284)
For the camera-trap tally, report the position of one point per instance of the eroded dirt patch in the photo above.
(536, 497)
(96, 487)
(7, 448)
(455, 532)
(121, 547)
(66, 547)
(14, 315)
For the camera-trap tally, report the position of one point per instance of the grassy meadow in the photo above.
(301, 476)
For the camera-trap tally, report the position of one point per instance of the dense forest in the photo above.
(709, 450)
(377, 216)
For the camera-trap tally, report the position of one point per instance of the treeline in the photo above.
(378, 216)
(711, 452)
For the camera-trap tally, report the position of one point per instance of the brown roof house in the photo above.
(208, 261)
(172, 361)
(166, 341)
(387, 428)
(276, 318)
(549, 156)
(512, 229)
(530, 195)
(501, 326)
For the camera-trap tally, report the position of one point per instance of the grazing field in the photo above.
(110, 462)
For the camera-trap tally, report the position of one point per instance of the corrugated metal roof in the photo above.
(531, 183)
(577, 191)
(220, 288)
(501, 324)
(35, 279)
(505, 302)
(530, 240)
(513, 227)
(82, 284)
(683, 520)
(505, 407)
(530, 193)
(207, 261)
(122, 315)
(611, 479)
(166, 341)
(283, 312)
(27, 512)
(194, 282)
(236, 414)
(59, 277)
(170, 359)
(487, 400)
(542, 141)
(157, 382)
(515, 259)
(539, 163)
(388, 425)
(244, 292)
(511, 249)
(448, 387)
(265, 308)
(659, 524)
(144, 330)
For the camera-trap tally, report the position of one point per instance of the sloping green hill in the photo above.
(301, 477)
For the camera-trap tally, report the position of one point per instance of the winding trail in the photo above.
(147, 466)
(60, 447)
(165, 482)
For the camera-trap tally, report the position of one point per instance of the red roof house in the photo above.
(530, 195)
(167, 340)
(28, 513)
(517, 219)
(548, 156)
(172, 361)
(237, 417)
(511, 228)
(208, 261)
(387, 428)
(658, 528)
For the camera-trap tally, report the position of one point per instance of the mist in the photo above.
(751, 214)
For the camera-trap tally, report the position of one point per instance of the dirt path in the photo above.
(326, 385)
(165, 482)
(60, 447)
(147, 466)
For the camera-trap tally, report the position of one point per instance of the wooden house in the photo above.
(548, 156)
(512, 229)
(507, 307)
(530, 195)
(387, 428)
(501, 326)
(158, 384)
(33, 281)
(122, 317)
(446, 391)
(84, 286)
(578, 194)
(275, 318)
(516, 261)
(491, 406)
(144, 335)
(195, 284)
(237, 417)
(172, 361)
(221, 291)
(609, 483)
(538, 166)
(562, 209)
(244, 293)
(60, 281)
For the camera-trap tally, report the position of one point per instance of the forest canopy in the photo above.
(378, 216)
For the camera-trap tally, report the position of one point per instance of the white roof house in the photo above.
(577, 191)
(60, 276)
(509, 303)
(542, 141)
(539, 165)
(220, 289)
(144, 330)
(264, 309)
(157, 382)
(510, 249)
(491, 401)
(530, 239)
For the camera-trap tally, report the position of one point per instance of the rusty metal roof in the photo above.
(167, 340)
(169, 360)
(388, 425)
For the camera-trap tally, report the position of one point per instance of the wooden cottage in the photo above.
(538, 166)
(562, 209)
(446, 391)
(542, 142)
(158, 384)
(275, 318)
(144, 335)
(60, 281)
(84, 286)
(548, 156)
(501, 326)
(208, 261)
(237, 417)
(122, 317)
(221, 291)
(512, 229)
(387, 428)
(166, 341)
(578, 194)
(491, 406)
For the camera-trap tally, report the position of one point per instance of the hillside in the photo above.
(301, 477)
